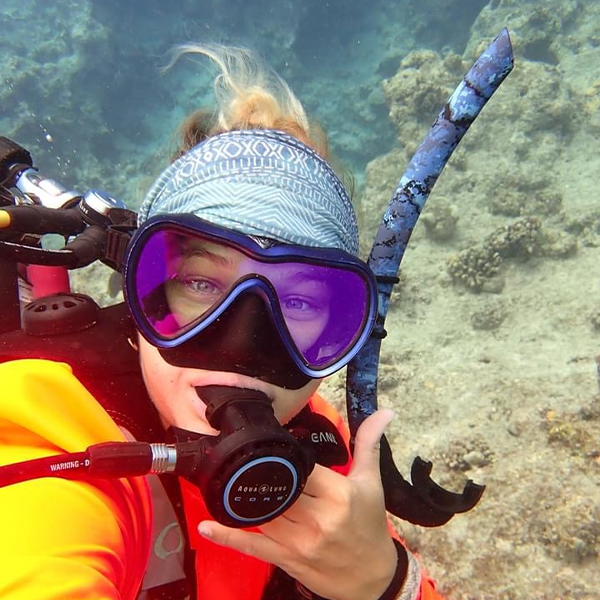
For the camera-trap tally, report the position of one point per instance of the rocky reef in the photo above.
(43, 102)
(508, 294)
(494, 161)
(479, 268)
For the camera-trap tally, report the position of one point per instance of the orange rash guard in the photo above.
(64, 539)
(61, 539)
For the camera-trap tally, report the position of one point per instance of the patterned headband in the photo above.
(258, 182)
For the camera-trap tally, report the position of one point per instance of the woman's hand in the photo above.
(334, 539)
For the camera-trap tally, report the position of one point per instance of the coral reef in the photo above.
(577, 431)
(418, 90)
(586, 226)
(591, 106)
(572, 532)
(522, 239)
(474, 267)
(91, 78)
(41, 92)
(492, 167)
(542, 200)
(541, 31)
(440, 219)
(574, 437)
(530, 157)
(489, 317)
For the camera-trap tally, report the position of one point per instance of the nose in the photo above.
(245, 340)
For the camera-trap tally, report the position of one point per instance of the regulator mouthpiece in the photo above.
(254, 469)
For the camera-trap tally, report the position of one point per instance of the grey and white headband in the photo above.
(258, 182)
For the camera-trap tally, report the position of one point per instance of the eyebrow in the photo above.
(302, 276)
(217, 259)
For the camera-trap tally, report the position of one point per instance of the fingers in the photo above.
(320, 482)
(366, 444)
(323, 482)
(247, 542)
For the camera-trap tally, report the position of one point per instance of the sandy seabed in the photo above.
(501, 385)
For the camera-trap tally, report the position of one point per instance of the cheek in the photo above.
(159, 376)
(306, 333)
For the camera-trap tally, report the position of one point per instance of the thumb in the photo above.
(366, 443)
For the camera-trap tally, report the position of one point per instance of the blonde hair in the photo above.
(248, 95)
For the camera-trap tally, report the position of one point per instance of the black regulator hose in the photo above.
(249, 473)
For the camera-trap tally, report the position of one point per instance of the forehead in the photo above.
(198, 251)
(198, 246)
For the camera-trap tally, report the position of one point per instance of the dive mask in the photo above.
(186, 278)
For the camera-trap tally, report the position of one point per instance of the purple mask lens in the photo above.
(183, 279)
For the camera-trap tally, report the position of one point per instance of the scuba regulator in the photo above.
(254, 469)
(32, 206)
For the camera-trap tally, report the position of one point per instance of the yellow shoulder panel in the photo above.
(61, 538)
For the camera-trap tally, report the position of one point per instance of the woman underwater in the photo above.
(242, 275)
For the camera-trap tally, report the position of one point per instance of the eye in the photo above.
(296, 304)
(199, 286)
(295, 307)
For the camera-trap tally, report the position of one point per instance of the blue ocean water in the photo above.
(509, 359)
(87, 72)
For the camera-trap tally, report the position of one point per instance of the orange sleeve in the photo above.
(428, 591)
(319, 405)
(60, 538)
